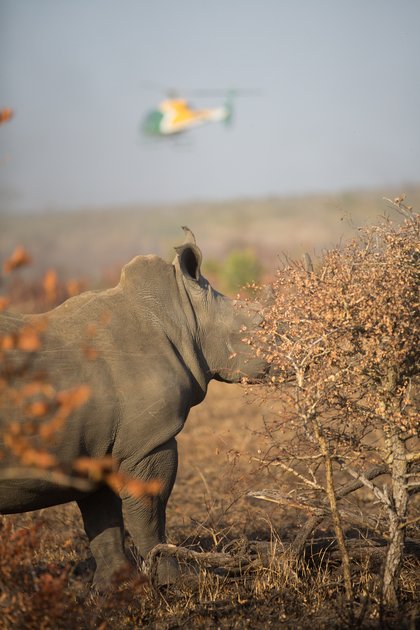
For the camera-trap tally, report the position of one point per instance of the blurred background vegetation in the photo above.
(242, 241)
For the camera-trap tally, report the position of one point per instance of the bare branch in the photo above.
(289, 469)
(316, 520)
(379, 494)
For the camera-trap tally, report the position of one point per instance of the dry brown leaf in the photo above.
(40, 459)
(50, 285)
(73, 398)
(19, 258)
(94, 467)
(7, 342)
(4, 302)
(28, 340)
(38, 408)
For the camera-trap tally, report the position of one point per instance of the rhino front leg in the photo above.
(146, 517)
(104, 526)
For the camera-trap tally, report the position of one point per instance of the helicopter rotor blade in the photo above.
(172, 92)
(218, 92)
(155, 86)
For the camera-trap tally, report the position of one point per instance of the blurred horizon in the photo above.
(188, 205)
(94, 243)
(336, 110)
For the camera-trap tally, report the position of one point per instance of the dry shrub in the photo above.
(29, 598)
(18, 258)
(343, 343)
(33, 294)
(37, 596)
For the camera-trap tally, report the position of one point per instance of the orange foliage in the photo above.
(90, 353)
(6, 114)
(19, 258)
(74, 287)
(50, 285)
(38, 408)
(134, 487)
(4, 302)
(6, 342)
(104, 469)
(95, 468)
(35, 388)
(40, 459)
(68, 401)
(28, 340)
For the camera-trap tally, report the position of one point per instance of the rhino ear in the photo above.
(189, 257)
(189, 236)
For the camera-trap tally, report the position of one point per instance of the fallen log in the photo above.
(249, 556)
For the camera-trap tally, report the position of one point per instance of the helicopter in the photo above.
(175, 115)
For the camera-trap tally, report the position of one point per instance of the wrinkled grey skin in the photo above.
(161, 335)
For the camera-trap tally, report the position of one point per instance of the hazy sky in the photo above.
(339, 106)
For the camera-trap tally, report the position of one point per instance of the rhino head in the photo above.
(222, 324)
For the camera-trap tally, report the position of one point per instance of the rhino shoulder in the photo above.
(148, 270)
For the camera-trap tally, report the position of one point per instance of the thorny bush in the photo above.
(343, 344)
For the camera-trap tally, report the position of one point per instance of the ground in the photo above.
(208, 511)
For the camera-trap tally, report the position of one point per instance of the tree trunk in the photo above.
(397, 515)
(335, 514)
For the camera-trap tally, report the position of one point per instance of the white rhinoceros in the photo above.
(167, 334)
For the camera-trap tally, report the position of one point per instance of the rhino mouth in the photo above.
(257, 374)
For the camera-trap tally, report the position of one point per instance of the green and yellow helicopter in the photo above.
(175, 114)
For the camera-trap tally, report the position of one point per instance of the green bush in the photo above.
(242, 267)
